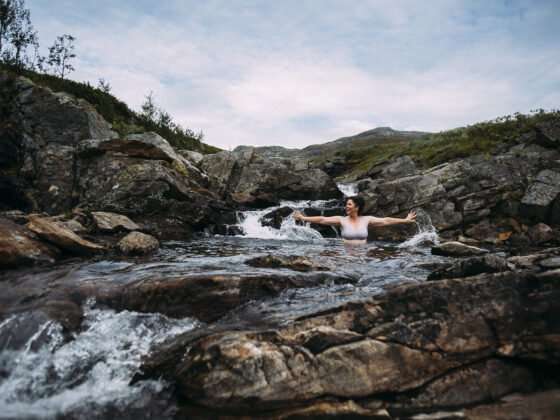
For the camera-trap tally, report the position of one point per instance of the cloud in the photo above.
(299, 73)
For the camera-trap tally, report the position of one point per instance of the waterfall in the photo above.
(349, 190)
(250, 223)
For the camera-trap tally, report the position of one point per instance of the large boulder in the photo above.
(446, 345)
(63, 154)
(251, 179)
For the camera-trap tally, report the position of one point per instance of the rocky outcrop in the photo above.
(138, 243)
(504, 191)
(445, 345)
(250, 179)
(63, 155)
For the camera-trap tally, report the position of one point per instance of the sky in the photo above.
(301, 72)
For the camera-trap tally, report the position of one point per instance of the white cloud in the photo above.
(294, 76)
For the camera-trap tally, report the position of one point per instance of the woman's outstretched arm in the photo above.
(321, 220)
(388, 221)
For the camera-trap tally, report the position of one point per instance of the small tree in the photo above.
(104, 86)
(21, 36)
(149, 108)
(60, 55)
(7, 17)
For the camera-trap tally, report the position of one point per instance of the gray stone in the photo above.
(457, 249)
(137, 243)
(110, 222)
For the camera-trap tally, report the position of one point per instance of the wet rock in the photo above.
(111, 222)
(540, 233)
(457, 249)
(18, 247)
(472, 267)
(274, 218)
(550, 263)
(62, 237)
(137, 243)
(440, 345)
(292, 262)
(205, 296)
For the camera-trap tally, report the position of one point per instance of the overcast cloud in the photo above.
(294, 73)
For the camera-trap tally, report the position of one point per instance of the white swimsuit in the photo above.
(351, 231)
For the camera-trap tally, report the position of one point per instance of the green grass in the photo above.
(124, 120)
(433, 149)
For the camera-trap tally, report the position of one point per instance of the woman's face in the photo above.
(351, 207)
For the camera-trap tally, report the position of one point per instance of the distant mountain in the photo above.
(366, 138)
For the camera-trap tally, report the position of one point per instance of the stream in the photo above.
(47, 375)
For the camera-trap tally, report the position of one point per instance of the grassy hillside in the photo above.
(123, 119)
(432, 149)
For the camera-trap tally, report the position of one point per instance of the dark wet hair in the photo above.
(358, 201)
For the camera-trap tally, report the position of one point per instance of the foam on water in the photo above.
(251, 224)
(92, 370)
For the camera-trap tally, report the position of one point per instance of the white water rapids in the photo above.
(50, 377)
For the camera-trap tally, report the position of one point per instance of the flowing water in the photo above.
(87, 375)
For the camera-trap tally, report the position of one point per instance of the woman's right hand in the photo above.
(297, 215)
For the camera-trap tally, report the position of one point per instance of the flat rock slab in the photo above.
(18, 247)
(204, 296)
(110, 222)
(457, 249)
(61, 236)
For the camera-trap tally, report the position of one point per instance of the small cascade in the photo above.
(348, 189)
(251, 224)
(427, 233)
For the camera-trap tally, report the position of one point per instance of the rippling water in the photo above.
(87, 375)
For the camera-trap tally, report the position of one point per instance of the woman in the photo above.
(354, 226)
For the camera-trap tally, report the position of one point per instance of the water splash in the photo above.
(93, 370)
(427, 234)
(349, 190)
